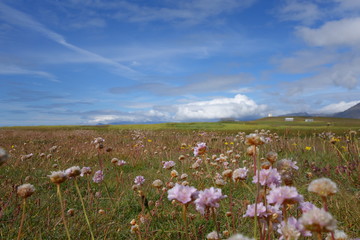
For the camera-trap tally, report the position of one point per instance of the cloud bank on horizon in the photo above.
(90, 62)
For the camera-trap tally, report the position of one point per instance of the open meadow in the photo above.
(182, 180)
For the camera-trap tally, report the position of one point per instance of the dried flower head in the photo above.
(254, 139)
(121, 163)
(58, 177)
(318, 220)
(227, 173)
(85, 171)
(168, 164)
(214, 236)
(272, 156)
(174, 173)
(71, 212)
(114, 161)
(25, 190)
(323, 187)
(73, 172)
(240, 174)
(157, 183)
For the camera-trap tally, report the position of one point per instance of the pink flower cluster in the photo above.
(200, 149)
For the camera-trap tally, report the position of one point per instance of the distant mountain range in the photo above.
(353, 112)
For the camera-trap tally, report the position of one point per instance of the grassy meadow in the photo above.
(117, 208)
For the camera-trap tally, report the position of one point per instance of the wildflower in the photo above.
(200, 149)
(306, 206)
(181, 157)
(208, 198)
(181, 193)
(73, 172)
(157, 183)
(254, 139)
(121, 163)
(323, 187)
(85, 171)
(268, 177)
(291, 229)
(338, 234)
(25, 157)
(251, 151)
(318, 220)
(134, 228)
(286, 165)
(101, 211)
(220, 182)
(240, 174)
(307, 148)
(284, 195)
(58, 177)
(98, 176)
(3, 156)
(168, 164)
(239, 236)
(214, 236)
(25, 190)
(139, 180)
(261, 210)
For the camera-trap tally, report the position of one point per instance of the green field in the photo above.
(327, 147)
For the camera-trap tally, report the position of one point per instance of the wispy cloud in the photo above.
(15, 70)
(21, 19)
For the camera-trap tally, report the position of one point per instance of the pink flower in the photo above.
(210, 197)
(168, 164)
(268, 177)
(183, 194)
(306, 206)
(292, 229)
(98, 176)
(260, 211)
(284, 194)
(139, 180)
(200, 149)
(121, 162)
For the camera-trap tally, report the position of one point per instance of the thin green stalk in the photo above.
(108, 193)
(22, 219)
(62, 211)
(215, 222)
(84, 210)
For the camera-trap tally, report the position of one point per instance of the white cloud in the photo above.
(238, 107)
(295, 10)
(337, 107)
(341, 32)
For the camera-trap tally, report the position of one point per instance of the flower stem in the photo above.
(22, 219)
(84, 210)
(185, 221)
(215, 222)
(62, 211)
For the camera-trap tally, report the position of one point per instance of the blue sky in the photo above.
(97, 61)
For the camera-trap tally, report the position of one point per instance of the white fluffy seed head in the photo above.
(323, 187)
(25, 190)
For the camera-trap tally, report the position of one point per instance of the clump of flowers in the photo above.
(292, 229)
(261, 210)
(323, 187)
(208, 198)
(200, 149)
(139, 180)
(254, 139)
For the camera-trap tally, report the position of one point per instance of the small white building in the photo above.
(309, 120)
(289, 119)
